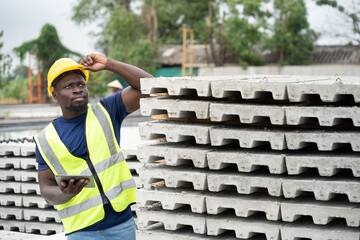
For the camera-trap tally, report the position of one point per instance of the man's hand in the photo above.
(71, 188)
(94, 62)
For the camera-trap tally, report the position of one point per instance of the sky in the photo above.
(22, 20)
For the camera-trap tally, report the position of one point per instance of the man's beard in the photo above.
(76, 109)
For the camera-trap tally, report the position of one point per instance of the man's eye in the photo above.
(68, 86)
(82, 85)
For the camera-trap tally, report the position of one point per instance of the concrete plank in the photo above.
(30, 187)
(9, 149)
(327, 164)
(27, 149)
(157, 232)
(246, 160)
(134, 166)
(138, 182)
(247, 113)
(251, 87)
(174, 154)
(9, 162)
(308, 231)
(325, 140)
(35, 201)
(171, 199)
(29, 175)
(243, 205)
(7, 199)
(176, 86)
(172, 220)
(44, 228)
(10, 186)
(330, 89)
(175, 131)
(244, 227)
(321, 213)
(43, 215)
(323, 189)
(244, 183)
(28, 163)
(10, 174)
(248, 137)
(11, 212)
(173, 177)
(175, 108)
(12, 225)
(326, 116)
(129, 153)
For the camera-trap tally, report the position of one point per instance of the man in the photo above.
(85, 141)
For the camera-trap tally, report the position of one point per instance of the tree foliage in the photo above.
(48, 49)
(292, 39)
(5, 64)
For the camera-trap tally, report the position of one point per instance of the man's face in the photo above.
(72, 94)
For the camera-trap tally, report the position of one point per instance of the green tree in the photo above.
(5, 64)
(17, 88)
(292, 40)
(351, 11)
(48, 48)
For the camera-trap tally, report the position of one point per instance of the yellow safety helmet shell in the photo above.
(64, 65)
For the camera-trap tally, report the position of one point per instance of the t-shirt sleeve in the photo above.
(116, 109)
(40, 160)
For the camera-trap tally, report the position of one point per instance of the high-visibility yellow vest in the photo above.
(105, 157)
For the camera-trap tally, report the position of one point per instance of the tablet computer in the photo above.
(66, 178)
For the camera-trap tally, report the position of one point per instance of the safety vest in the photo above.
(106, 163)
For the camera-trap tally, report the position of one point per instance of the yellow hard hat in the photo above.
(61, 66)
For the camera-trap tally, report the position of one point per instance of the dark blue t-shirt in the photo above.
(72, 134)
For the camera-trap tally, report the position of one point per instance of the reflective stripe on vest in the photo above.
(86, 208)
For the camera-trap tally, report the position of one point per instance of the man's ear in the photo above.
(55, 95)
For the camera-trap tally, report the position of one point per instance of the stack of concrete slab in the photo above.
(260, 157)
(22, 208)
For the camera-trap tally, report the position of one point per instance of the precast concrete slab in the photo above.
(176, 86)
(321, 213)
(174, 154)
(244, 228)
(30, 187)
(138, 182)
(251, 86)
(10, 174)
(175, 108)
(246, 160)
(157, 232)
(9, 149)
(315, 232)
(171, 199)
(134, 166)
(7, 199)
(172, 220)
(243, 205)
(28, 163)
(327, 164)
(35, 201)
(248, 137)
(44, 228)
(323, 189)
(329, 89)
(129, 153)
(11, 212)
(9, 162)
(43, 215)
(12, 225)
(10, 187)
(326, 116)
(244, 183)
(175, 131)
(29, 175)
(173, 177)
(324, 140)
(27, 149)
(247, 113)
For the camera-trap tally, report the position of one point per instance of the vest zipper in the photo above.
(97, 180)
